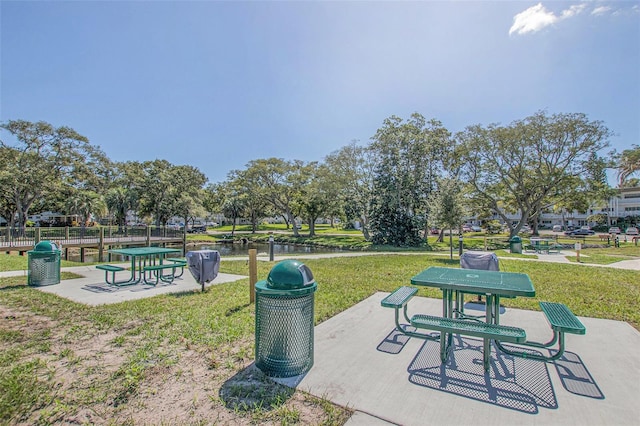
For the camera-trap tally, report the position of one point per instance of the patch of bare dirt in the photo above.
(195, 389)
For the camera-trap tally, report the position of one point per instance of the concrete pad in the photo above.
(92, 289)
(361, 363)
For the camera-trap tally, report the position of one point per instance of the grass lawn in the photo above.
(13, 262)
(63, 362)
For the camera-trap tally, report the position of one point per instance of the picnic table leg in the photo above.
(447, 312)
(489, 317)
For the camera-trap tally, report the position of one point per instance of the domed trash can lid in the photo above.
(289, 277)
(515, 239)
(45, 246)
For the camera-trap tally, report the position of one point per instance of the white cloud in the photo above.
(573, 10)
(600, 10)
(538, 17)
(531, 20)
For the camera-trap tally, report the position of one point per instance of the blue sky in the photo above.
(218, 84)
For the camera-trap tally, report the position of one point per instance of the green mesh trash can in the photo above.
(515, 244)
(44, 264)
(284, 320)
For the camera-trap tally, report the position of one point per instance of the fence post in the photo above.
(101, 245)
(36, 236)
(253, 274)
(148, 228)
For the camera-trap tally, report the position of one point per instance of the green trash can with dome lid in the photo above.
(44, 264)
(284, 320)
(515, 244)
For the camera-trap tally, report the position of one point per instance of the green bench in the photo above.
(555, 248)
(470, 328)
(561, 319)
(111, 269)
(400, 298)
(156, 271)
(179, 263)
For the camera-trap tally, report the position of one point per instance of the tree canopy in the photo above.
(532, 164)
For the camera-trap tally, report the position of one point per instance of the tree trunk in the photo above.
(312, 227)
(365, 228)
(293, 224)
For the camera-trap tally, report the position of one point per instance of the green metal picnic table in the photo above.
(493, 284)
(140, 256)
(540, 245)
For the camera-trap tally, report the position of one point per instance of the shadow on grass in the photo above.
(250, 389)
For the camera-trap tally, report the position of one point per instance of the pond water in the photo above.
(235, 249)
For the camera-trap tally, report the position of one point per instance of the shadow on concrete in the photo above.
(576, 378)
(515, 383)
(395, 341)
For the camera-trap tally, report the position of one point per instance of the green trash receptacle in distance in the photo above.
(515, 244)
(284, 320)
(44, 264)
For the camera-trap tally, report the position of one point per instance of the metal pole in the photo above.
(271, 248)
(460, 238)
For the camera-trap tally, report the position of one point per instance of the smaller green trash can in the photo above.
(44, 264)
(515, 244)
(284, 320)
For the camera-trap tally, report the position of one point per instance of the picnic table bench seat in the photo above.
(111, 269)
(399, 297)
(470, 328)
(157, 272)
(561, 319)
(179, 262)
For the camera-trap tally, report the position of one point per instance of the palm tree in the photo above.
(84, 204)
(120, 200)
(629, 164)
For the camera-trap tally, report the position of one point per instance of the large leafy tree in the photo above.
(532, 164)
(409, 156)
(156, 197)
(629, 164)
(447, 207)
(167, 190)
(279, 183)
(352, 168)
(187, 183)
(319, 196)
(42, 159)
(249, 195)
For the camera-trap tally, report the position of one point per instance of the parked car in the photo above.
(632, 231)
(434, 231)
(466, 228)
(614, 230)
(476, 228)
(196, 229)
(557, 228)
(579, 232)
